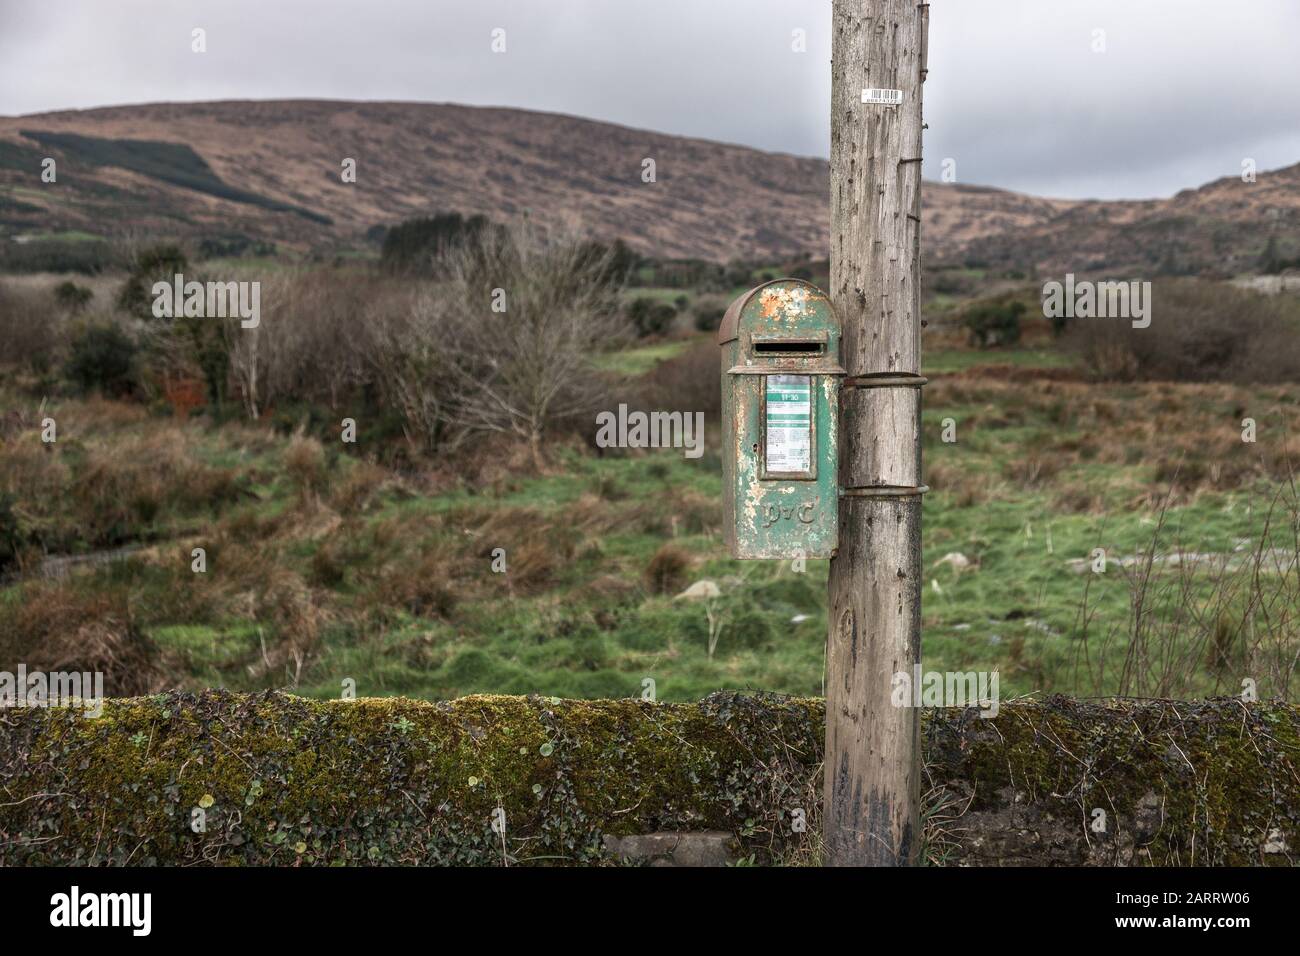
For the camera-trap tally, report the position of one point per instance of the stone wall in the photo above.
(273, 779)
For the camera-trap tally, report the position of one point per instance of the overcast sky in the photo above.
(1184, 90)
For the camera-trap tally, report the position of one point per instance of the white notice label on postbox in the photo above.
(789, 423)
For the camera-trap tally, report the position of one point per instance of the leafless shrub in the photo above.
(1200, 331)
(307, 344)
(30, 325)
(687, 382)
(404, 346)
(504, 343)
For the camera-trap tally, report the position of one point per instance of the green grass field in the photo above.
(324, 569)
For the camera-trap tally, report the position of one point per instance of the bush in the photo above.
(697, 274)
(72, 297)
(423, 587)
(451, 363)
(686, 382)
(311, 345)
(994, 323)
(666, 572)
(152, 264)
(11, 533)
(413, 245)
(1200, 331)
(739, 274)
(234, 246)
(78, 626)
(87, 257)
(305, 465)
(650, 317)
(615, 263)
(947, 282)
(749, 629)
(102, 358)
(708, 313)
(29, 328)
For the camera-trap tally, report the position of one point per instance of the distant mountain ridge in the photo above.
(270, 170)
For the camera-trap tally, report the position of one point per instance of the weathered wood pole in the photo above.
(872, 784)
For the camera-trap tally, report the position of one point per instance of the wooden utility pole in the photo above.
(873, 769)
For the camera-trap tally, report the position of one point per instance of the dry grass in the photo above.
(539, 544)
(687, 382)
(1238, 613)
(360, 487)
(304, 463)
(71, 493)
(967, 487)
(1190, 435)
(62, 626)
(424, 587)
(1035, 470)
(666, 571)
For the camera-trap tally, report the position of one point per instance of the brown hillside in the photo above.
(270, 170)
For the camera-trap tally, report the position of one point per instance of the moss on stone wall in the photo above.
(281, 780)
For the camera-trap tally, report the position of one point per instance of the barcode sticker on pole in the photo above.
(883, 97)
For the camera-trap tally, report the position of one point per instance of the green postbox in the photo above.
(780, 417)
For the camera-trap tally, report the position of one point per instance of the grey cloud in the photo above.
(1184, 91)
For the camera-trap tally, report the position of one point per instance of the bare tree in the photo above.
(404, 345)
(504, 342)
(307, 342)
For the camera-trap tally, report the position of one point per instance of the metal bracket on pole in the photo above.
(885, 491)
(886, 380)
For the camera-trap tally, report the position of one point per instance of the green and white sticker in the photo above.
(789, 423)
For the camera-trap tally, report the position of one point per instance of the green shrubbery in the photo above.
(650, 316)
(86, 256)
(151, 264)
(175, 163)
(416, 244)
(101, 358)
(994, 323)
(234, 246)
(72, 297)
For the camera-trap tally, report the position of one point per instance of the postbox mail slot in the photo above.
(783, 347)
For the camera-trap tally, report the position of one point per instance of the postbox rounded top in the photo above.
(788, 299)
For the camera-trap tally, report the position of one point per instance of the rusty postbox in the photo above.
(780, 417)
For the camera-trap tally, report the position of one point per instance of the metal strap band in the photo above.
(885, 491)
(886, 380)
